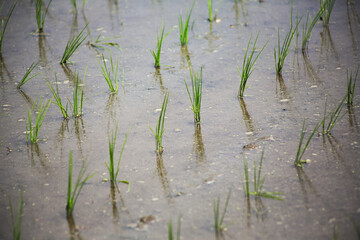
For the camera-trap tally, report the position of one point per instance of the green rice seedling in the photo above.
(247, 67)
(73, 44)
(6, 21)
(73, 193)
(40, 15)
(160, 127)
(73, 2)
(351, 81)
(26, 77)
(196, 86)
(210, 11)
(218, 220)
(160, 38)
(170, 230)
(308, 27)
(16, 225)
(184, 27)
(298, 162)
(32, 130)
(284, 50)
(327, 6)
(57, 98)
(107, 72)
(259, 182)
(111, 166)
(100, 43)
(78, 96)
(333, 117)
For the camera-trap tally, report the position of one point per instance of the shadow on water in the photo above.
(327, 43)
(249, 124)
(112, 105)
(162, 174)
(34, 152)
(70, 75)
(158, 78)
(27, 99)
(73, 229)
(115, 211)
(310, 69)
(281, 93)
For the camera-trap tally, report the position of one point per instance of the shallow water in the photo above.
(198, 164)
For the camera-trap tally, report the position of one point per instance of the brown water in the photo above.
(198, 165)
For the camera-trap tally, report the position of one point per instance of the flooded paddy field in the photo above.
(199, 162)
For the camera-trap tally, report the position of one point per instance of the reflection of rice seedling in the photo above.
(32, 130)
(333, 116)
(78, 96)
(112, 171)
(258, 182)
(16, 225)
(158, 133)
(196, 85)
(57, 97)
(184, 27)
(40, 16)
(327, 6)
(351, 81)
(218, 220)
(160, 38)
(247, 67)
(284, 50)
(298, 162)
(308, 27)
(99, 43)
(26, 77)
(72, 45)
(73, 193)
(170, 230)
(6, 21)
(107, 72)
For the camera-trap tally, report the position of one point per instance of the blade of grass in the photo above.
(184, 27)
(195, 99)
(26, 77)
(5, 22)
(16, 225)
(350, 86)
(57, 98)
(32, 130)
(40, 16)
(107, 73)
(73, 44)
(157, 52)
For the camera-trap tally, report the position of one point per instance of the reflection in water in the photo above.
(3, 69)
(352, 119)
(70, 75)
(74, 232)
(27, 99)
(185, 57)
(327, 42)
(161, 172)
(282, 92)
(113, 7)
(310, 68)
(79, 132)
(248, 211)
(354, 44)
(158, 78)
(113, 201)
(237, 12)
(41, 45)
(249, 125)
(74, 26)
(34, 151)
(211, 37)
(305, 182)
(111, 107)
(198, 147)
(260, 210)
(61, 135)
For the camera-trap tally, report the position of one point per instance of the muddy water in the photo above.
(198, 164)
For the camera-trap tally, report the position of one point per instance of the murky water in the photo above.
(198, 164)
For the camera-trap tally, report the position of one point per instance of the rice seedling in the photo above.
(108, 71)
(218, 220)
(160, 127)
(6, 21)
(16, 224)
(170, 230)
(247, 67)
(40, 15)
(284, 50)
(335, 233)
(72, 45)
(73, 193)
(308, 27)
(100, 43)
(78, 96)
(57, 98)
(351, 81)
(32, 130)
(298, 162)
(184, 27)
(258, 182)
(327, 6)
(160, 38)
(211, 18)
(73, 2)
(333, 116)
(111, 166)
(26, 77)
(195, 99)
